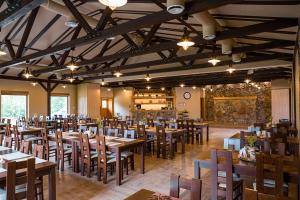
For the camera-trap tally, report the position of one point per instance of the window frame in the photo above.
(15, 93)
(61, 95)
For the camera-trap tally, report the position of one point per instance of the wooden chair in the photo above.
(61, 151)
(274, 148)
(124, 127)
(50, 150)
(163, 122)
(15, 183)
(7, 130)
(194, 185)
(190, 131)
(162, 143)
(254, 195)
(3, 120)
(8, 141)
(26, 147)
(104, 160)
(150, 122)
(224, 184)
(141, 134)
(112, 131)
(269, 174)
(180, 123)
(39, 152)
(65, 126)
(16, 138)
(87, 157)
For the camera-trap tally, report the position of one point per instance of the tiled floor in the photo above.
(74, 186)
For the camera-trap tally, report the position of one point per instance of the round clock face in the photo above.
(187, 95)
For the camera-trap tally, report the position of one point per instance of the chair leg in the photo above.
(88, 169)
(126, 165)
(132, 162)
(201, 138)
(62, 163)
(58, 160)
(105, 174)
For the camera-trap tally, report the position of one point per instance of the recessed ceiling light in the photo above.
(182, 85)
(162, 89)
(194, 87)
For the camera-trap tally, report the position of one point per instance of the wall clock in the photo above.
(187, 95)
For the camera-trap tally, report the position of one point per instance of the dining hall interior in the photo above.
(149, 99)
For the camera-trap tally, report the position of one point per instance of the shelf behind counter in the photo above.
(154, 114)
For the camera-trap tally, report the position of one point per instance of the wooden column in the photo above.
(48, 88)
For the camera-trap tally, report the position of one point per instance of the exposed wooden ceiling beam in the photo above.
(17, 9)
(159, 17)
(200, 55)
(183, 68)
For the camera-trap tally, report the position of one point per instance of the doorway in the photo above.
(106, 110)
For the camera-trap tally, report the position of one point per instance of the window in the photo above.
(13, 105)
(59, 104)
(104, 103)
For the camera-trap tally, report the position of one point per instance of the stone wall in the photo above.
(250, 110)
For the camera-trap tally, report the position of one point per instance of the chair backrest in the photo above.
(124, 127)
(84, 146)
(113, 124)
(39, 151)
(161, 135)
(150, 122)
(59, 143)
(3, 120)
(16, 137)
(243, 137)
(163, 122)
(101, 149)
(93, 129)
(221, 161)
(190, 125)
(8, 121)
(278, 148)
(141, 132)
(254, 195)
(45, 143)
(14, 180)
(180, 124)
(7, 141)
(112, 131)
(177, 182)
(269, 167)
(82, 128)
(26, 147)
(7, 130)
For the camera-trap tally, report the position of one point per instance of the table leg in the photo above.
(207, 133)
(143, 158)
(171, 147)
(75, 161)
(196, 169)
(52, 184)
(118, 167)
(182, 144)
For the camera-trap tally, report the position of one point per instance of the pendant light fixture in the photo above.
(185, 41)
(194, 87)
(102, 82)
(27, 74)
(72, 65)
(71, 78)
(162, 89)
(34, 84)
(118, 73)
(148, 87)
(230, 69)
(147, 77)
(113, 4)
(181, 85)
(214, 61)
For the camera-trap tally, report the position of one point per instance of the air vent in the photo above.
(175, 7)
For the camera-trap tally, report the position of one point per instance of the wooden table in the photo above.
(88, 125)
(144, 194)
(239, 167)
(41, 169)
(30, 131)
(201, 125)
(171, 134)
(117, 149)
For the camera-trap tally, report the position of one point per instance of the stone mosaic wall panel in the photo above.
(235, 110)
(263, 101)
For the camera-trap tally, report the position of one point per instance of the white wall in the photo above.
(122, 101)
(280, 99)
(37, 96)
(192, 105)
